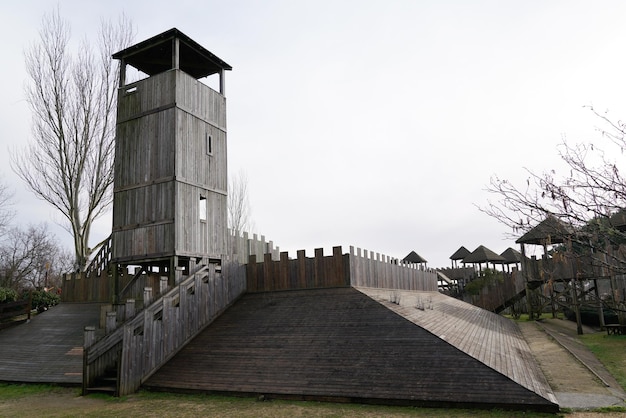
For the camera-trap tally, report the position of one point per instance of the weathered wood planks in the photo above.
(335, 344)
(145, 342)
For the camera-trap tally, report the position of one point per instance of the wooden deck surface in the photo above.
(48, 349)
(488, 337)
(341, 344)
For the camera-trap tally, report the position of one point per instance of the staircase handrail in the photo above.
(102, 258)
(105, 344)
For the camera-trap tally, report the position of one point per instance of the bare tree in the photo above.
(29, 258)
(69, 163)
(239, 211)
(588, 195)
(6, 203)
(589, 199)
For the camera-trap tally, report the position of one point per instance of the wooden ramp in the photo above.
(48, 349)
(341, 345)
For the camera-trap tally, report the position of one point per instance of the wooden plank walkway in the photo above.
(336, 344)
(48, 349)
(487, 337)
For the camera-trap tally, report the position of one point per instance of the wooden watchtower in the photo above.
(170, 188)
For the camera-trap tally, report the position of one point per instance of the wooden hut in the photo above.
(459, 254)
(481, 255)
(170, 187)
(511, 256)
(414, 258)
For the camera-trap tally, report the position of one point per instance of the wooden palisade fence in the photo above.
(380, 271)
(338, 270)
(144, 343)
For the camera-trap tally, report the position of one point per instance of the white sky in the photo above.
(370, 123)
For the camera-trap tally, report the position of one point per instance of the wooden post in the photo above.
(600, 309)
(103, 314)
(89, 336)
(110, 324)
(175, 54)
(147, 296)
(130, 309)
(29, 306)
(163, 285)
(178, 274)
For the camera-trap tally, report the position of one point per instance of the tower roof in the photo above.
(154, 56)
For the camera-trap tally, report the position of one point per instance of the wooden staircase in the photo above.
(107, 383)
(120, 362)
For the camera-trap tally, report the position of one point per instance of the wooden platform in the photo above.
(342, 345)
(49, 348)
(487, 337)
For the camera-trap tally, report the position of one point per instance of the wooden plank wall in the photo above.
(77, 287)
(242, 246)
(373, 270)
(93, 284)
(302, 273)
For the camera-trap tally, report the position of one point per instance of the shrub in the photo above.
(7, 295)
(42, 300)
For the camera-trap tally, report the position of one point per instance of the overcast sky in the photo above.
(376, 124)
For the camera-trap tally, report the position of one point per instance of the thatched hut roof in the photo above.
(483, 254)
(511, 256)
(549, 231)
(460, 254)
(414, 258)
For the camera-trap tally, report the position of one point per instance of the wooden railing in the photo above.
(162, 328)
(12, 310)
(92, 284)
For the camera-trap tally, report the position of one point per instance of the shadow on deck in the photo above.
(49, 348)
(339, 345)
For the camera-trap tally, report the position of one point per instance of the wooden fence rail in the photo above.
(11, 310)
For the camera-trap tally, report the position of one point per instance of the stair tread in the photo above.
(102, 388)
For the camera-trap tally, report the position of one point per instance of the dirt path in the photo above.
(574, 384)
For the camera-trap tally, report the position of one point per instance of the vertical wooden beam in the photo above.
(222, 82)
(175, 53)
(122, 79)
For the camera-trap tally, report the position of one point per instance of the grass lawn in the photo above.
(611, 351)
(54, 401)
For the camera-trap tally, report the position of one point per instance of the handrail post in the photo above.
(130, 309)
(147, 296)
(110, 323)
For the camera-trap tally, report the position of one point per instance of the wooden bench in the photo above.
(615, 329)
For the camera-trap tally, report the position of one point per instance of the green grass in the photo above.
(42, 400)
(10, 391)
(611, 351)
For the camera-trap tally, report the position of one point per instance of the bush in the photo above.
(489, 278)
(7, 295)
(42, 300)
